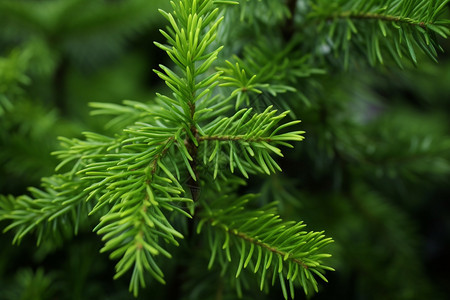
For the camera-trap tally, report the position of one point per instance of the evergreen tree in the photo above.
(44, 49)
(187, 190)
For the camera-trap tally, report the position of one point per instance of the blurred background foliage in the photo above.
(373, 171)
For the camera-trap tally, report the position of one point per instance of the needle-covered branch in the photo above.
(246, 141)
(398, 28)
(260, 241)
(55, 211)
(135, 183)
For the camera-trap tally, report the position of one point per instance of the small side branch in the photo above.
(193, 151)
(234, 138)
(266, 246)
(385, 18)
(154, 162)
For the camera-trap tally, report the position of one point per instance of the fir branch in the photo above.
(396, 27)
(133, 231)
(256, 242)
(134, 180)
(136, 184)
(276, 70)
(374, 16)
(53, 212)
(125, 114)
(234, 138)
(246, 139)
(282, 247)
(415, 12)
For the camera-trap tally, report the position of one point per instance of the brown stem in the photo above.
(263, 245)
(256, 242)
(233, 138)
(193, 151)
(154, 162)
(192, 183)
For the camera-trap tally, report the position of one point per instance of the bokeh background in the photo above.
(373, 171)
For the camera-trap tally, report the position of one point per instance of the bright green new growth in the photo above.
(143, 181)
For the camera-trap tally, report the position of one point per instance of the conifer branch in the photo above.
(273, 74)
(375, 16)
(254, 241)
(273, 244)
(252, 136)
(134, 179)
(234, 138)
(135, 184)
(55, 211)
(396, 27)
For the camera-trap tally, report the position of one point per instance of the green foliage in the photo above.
(18, 118)
(134, 179)
(282, 248)
(376, 27)
(164, 184)
(86, 31)
(30, 285)
(274, 75)
(12, 78)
